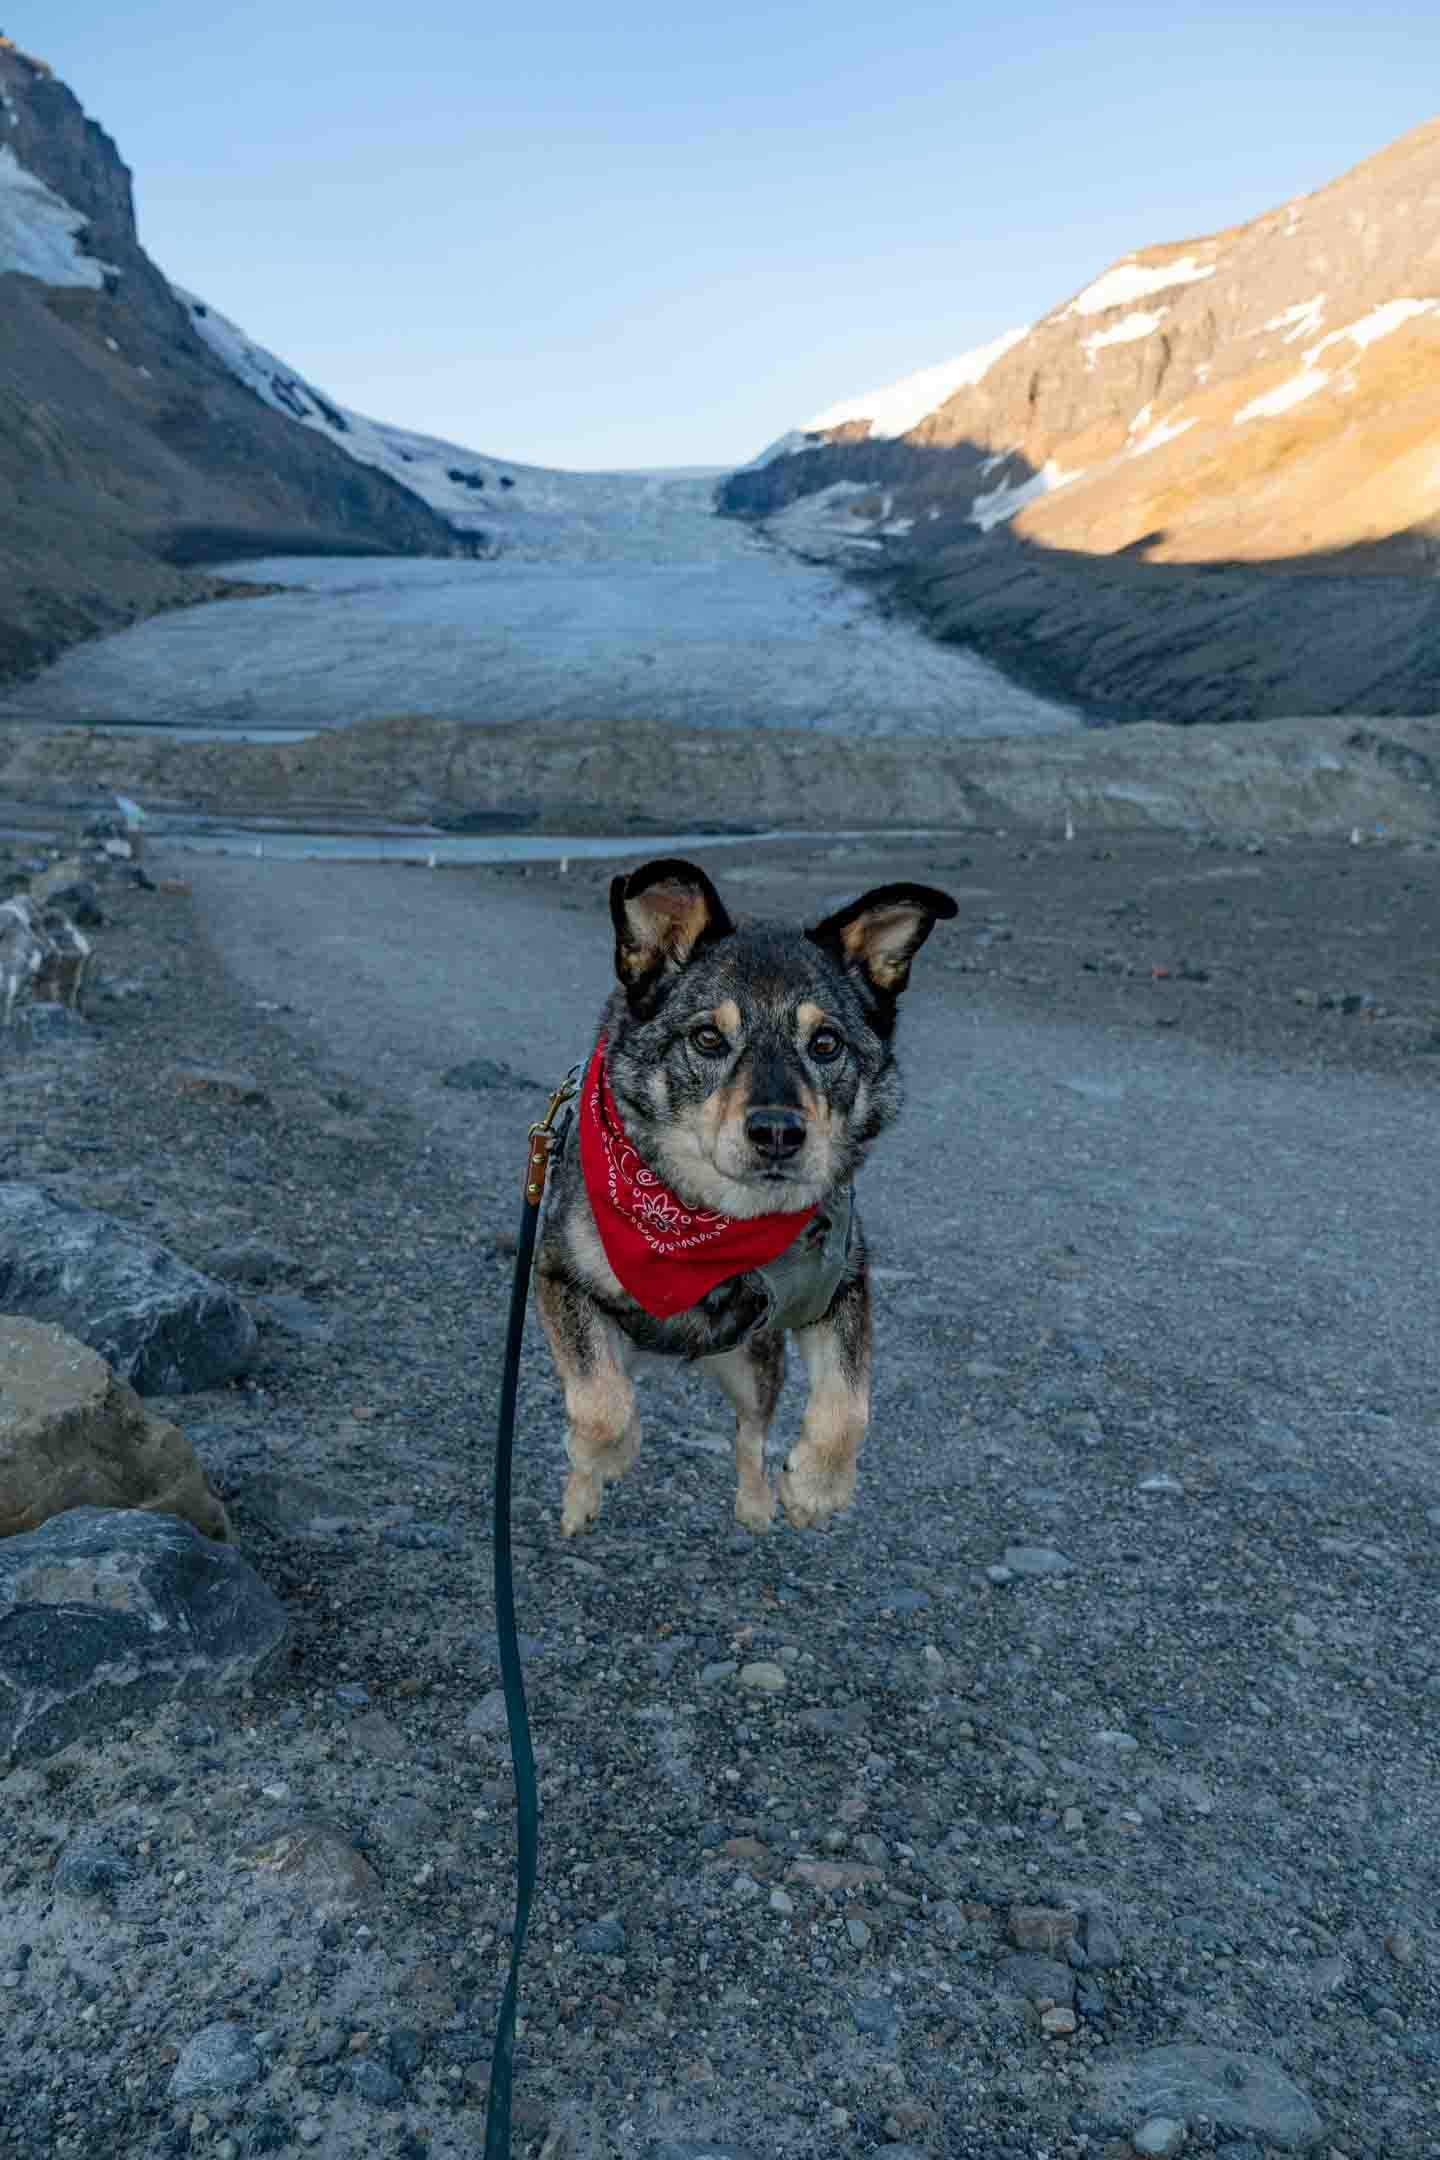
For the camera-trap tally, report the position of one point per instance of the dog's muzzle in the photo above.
(775, 1132)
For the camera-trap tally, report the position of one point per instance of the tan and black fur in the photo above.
(752, 1067)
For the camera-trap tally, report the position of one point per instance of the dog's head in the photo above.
(754, 1065)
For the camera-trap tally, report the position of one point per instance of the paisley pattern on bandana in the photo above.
(665, 1254)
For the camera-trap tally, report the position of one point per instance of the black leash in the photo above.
(543, 1141)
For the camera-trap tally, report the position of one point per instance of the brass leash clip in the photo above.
(544, 1138)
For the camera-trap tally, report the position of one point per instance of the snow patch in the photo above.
(471, 490)
(38, 231)
(1002, 502)
(1298, 320)
(902, 405)
(1123, 332)
(1142, 418)
(1377, 324)
(788, 445)
(1163, 431)
(1362, 333)
(1136, 281)
(1280, 400)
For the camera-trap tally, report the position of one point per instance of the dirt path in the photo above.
(1135, 1618)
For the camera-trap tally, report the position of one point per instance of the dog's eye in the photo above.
(710, 1042)
(825, 1044)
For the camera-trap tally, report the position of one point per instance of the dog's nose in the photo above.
(775, 1132)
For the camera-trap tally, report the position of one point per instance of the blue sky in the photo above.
(629, 236)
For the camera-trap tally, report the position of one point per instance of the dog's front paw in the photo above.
(582, 1503)
(812, 1492)
(755, 1507)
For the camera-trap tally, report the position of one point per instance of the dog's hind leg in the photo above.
(752, 1375)
(603, 1435)
(819, 1473)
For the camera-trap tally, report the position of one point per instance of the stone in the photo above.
(833, 1875)
(317, 1860)
(1102, 1945)
(763, 1677)
(89, 1868)
(877, 2017)
(488, 1715)
(220, 2058)
(1036, 1560)
(69, 885)
(74, 1435)
(106, 1614)
(1159, 2137)
(162, 1326)
(1041, 1927)
(602, 1938)
(1041, 1980)
(1238, 2092)
(376, 2084)
(298, 1506)
(1059, 2021)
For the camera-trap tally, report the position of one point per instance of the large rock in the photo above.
(1244, 2093)
(105, 1614)
(163, 1326)
(74, 1435)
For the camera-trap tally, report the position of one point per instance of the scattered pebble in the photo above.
(763, 1677)
(602, 1937)
(1159, 2137)
(1036, 1560)
(1041, 1927)
(220, 2058)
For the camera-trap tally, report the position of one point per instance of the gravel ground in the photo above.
(1134, 1620)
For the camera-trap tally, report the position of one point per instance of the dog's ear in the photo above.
(664, 912)
(879, 934)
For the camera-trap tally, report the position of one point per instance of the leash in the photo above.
(544, 1141)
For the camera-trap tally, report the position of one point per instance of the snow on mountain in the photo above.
(1261, 393)
(464, 487)
(472, 490)
(899, 406)
(39, 230)
(1131, 280)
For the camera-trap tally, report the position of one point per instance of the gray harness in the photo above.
(802, 1282)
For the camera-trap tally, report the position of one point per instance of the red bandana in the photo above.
(665, 1254)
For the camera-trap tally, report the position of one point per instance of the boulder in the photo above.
(163, 1326)
(74, 1435)
(1248, 2094)
(107, 1614)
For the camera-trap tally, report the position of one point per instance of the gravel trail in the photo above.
(1082, 1781)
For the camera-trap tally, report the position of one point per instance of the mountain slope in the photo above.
(1205, 487)
(1264, 393)
(127, 450)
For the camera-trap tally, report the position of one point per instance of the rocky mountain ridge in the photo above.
(1265, 393)
(1265, 397)
(128, 451)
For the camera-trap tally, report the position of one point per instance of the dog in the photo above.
(740, 1076)
(44, 957)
